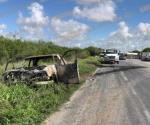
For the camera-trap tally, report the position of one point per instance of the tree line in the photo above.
(10, 48)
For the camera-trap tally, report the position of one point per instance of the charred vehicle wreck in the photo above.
(42, 68)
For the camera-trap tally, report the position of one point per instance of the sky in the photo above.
(121, 24)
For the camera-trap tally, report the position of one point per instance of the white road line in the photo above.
(124, 77)
(147, 114)
(133, 91)
(145, 110)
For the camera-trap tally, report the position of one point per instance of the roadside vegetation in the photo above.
(146, 50)
(88, 66)
(25, 105)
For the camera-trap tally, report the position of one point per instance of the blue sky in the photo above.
(78, 22)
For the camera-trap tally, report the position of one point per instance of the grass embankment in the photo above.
(23, 105)
(88, 65)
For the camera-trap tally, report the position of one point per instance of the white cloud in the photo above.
(123, 31)
(100, 12)
(37, 21)
(3, 27)
(144, 28)
(126, 39)
(69, 30)
(1, 1)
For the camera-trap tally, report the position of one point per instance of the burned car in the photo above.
(42, 68)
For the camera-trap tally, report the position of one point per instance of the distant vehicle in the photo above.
(122, 56)
(40, 69)
(111, 56)
(132, 55)
(145, 56)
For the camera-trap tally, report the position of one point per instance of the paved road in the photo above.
(116, 95)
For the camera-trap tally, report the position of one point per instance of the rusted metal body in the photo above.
(56, 69)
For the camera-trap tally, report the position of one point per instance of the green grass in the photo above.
(88, 65)
(24, 105)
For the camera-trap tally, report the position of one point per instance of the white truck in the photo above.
(111, 56)
(145, 56)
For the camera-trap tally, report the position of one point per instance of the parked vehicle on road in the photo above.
(122, 56)
(133, 55)
(111, 56)
(145, 56)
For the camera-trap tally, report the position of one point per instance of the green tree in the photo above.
(146, 50)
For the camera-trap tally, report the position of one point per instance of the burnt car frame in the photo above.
(59, 70)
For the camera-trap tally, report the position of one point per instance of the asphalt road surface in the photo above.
(116, 95)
